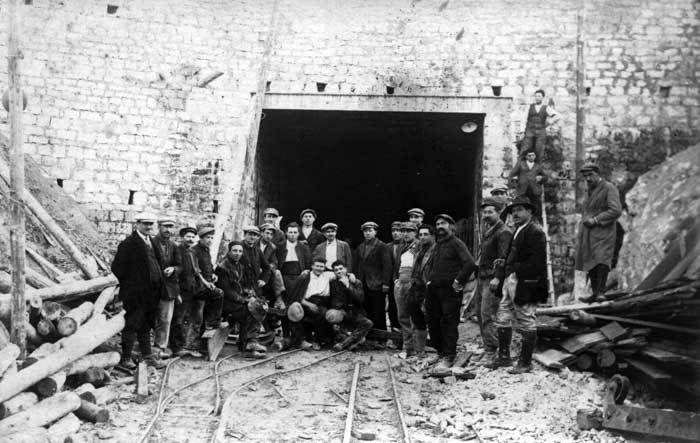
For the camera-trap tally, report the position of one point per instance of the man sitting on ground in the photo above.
(346, 307)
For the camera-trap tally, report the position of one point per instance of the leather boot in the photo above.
(503, 358)
(525, 360)
(419, 342)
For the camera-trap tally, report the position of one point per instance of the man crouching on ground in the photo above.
(237, 280)
(312, 294)
(346, 307)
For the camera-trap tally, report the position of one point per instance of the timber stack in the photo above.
(650, 334)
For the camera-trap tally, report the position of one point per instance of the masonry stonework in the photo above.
(118, 110)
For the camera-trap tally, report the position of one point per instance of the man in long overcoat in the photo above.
(597, 232)
(137, 265)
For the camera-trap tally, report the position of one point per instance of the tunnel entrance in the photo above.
(354, 166)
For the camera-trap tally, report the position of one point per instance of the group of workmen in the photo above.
(320, 292)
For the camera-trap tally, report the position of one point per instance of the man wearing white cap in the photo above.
(416, 216)
(137, 265)
(373, 268)
(172, 265)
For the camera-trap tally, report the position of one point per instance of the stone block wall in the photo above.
(116, 110)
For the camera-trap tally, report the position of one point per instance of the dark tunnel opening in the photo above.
(355, 166)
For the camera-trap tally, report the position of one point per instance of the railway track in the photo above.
(237, 400)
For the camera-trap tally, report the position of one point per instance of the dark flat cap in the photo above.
(396, 225)
(251, 228)
(309, 211)
(590, 167)
(492, 202)
(520, 201)
(187, 229)
(445, 217)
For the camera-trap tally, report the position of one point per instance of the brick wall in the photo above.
(115, 104)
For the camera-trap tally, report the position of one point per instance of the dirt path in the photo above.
(300, 406)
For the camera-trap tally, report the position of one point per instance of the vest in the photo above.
(536, 120)
(153, 266)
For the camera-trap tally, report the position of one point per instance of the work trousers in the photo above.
(187, 323)
(443, 305)
(249, 326)
(534, 139)
(375, 306)
(402, 296)
(165, 315)
(598, 277)
(512, 315)
(312, 324)
(415, 301)
(392, 309)
(358, 325)
(138, 326)
(486, 309)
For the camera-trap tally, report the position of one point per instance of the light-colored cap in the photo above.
(146, 217)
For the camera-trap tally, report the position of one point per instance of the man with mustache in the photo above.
(525, 285)
(452, 265)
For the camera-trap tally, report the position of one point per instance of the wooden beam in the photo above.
(651, 324)
(17, 236)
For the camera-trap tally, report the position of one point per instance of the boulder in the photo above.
(663, 205)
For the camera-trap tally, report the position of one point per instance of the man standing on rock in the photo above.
(597, 232)
(452, 265)
(309, 235)
(172, 265)
(495, 241)
(525, 285)
(527, 178)
(536, 125)
(137, 265)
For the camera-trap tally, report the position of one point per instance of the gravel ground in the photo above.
(494, 407)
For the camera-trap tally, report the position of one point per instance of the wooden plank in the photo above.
(668, 357)
(217, 341)
(351, 404)
(649, 369)
(553, 358)
(613, 331)
(582, 342)
(142, 380)
(651, 324)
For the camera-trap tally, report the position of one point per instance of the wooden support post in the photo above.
(17, 240)
(580, 78)
(142, 380)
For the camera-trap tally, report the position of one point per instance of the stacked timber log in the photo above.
(650, 334)
(45, 397)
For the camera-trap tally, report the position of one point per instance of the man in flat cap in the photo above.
(274, 287)
(272, 216)
(418, 289)
(254, 255)
(172, 265)
(416, 216)
(137, 265)
(597, 232)
(207, 291)
(309, 235)
(452, 265)
(372, 266)
(536, 125)
(500, 195)
(527, 178)
(402, 286)
(346, 307)
(237, 281)
(294, 257)
(184, 337)
(333, 249)
(495, 241)
(525, 285)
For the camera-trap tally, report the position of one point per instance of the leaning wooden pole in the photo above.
(552, 298)
(17, 240)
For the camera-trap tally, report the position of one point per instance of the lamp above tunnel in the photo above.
(469, 127)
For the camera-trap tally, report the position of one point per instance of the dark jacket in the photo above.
(451, 261)
(170, 256)
(303, 254)
(527, 257)
(189, 282)
(344, 252)
(396, 249)
(202, 258)
(527, 178)
(494, 244)
(314, 239)
(349, 299)
(596, 245)
(270, 254)
(236, 280)
(130, 266)
(373, 265)
(254, 256)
